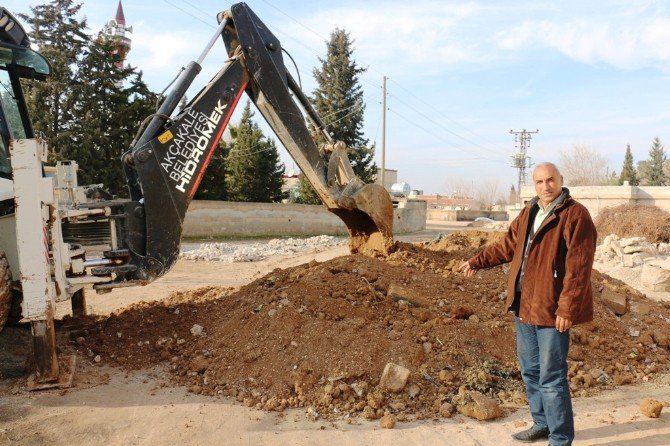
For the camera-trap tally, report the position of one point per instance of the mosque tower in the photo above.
(117, 29)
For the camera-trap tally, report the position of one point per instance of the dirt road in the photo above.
(111, 407)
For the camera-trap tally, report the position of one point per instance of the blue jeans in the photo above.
(543, 355)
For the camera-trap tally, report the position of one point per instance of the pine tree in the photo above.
(306, 193)
(108, 104)
(254, 171)
(628, 172)
(655, 175)
(213, 184)
(61, 38)
(338, 99)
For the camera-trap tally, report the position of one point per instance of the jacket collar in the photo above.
(565, 194)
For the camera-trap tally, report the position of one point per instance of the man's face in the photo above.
(548, 184)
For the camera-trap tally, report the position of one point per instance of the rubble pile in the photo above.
(643, 265)
(497, 226)
(393, 339)
(234, 252)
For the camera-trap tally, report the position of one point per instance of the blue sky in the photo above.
(461, 73)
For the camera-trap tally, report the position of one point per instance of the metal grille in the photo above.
(87, 233)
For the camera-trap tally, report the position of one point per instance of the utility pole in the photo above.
(520, 160)
(383, 132)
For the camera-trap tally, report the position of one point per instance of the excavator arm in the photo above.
(166, 163)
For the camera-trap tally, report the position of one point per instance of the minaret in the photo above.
(117, 29)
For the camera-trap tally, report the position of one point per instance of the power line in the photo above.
(445, 117)
(440, 125)
(395, 82)
(189, 13)
(436, 135)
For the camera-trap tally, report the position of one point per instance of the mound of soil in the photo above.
(634, 220)
(319, 336)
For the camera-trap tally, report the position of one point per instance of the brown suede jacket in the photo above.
(557, 278)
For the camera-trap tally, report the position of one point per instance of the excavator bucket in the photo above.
(370, 221)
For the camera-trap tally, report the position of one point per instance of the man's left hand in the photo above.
(562, 324)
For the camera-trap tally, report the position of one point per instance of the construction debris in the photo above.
(320, 335)
(235, 252)
(643, 265)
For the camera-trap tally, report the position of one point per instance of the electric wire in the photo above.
(425, 116)
(442, 114)
(395, 82)
(188, 12)
(404, 118)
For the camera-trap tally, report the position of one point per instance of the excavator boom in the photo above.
(164, 167)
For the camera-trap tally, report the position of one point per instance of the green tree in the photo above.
(613, 179)
(61, 37)
(628, 172)
(306, 193)
(213, 184)
(654, 173)
(254, 171)
(108, 103)
(338, 99)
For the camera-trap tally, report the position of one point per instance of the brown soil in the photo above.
(319, 335)
(630, 220)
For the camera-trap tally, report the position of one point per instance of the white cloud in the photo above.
(633, 45)
(407, 37)
(154, 51)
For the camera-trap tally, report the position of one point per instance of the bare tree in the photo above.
(488, 193)
(459, 187)
(583, 166)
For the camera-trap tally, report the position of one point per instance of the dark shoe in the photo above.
(533, 434)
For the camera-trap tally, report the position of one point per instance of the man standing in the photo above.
(550, 245)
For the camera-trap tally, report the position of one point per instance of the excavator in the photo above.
(59, 240)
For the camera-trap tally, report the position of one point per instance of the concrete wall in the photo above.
(596, 198)
(206, 218)
(463, 215)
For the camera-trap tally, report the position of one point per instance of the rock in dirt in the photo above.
(478, 406)
(394, 378)
(656, 275)
(447, 410)
(614, 301)
(388, 421)
(396, 292)
(651, 408)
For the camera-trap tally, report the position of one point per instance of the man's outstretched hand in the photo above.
(467, 270)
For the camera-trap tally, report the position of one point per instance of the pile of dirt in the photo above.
(459, 241)
(319, 336)
(634, 220)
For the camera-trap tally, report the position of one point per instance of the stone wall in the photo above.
(206, 218)
(463, 215)
(596, 198)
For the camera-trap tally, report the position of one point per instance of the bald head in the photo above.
(548, 182)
